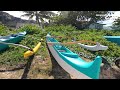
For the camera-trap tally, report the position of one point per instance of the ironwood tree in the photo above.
(39, 16)
(81, 19)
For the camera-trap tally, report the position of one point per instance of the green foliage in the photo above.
(91, 35)
(117, 22)
(60, 28)
(14, 55)
(3, 30)
(80, 19)
(39, 15)
(31, 29)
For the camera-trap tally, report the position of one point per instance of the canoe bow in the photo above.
(33, 51)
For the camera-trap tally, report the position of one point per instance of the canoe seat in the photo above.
(59, 47)
(72, 55)
(62, 51)
(20, 34)
(14, 35)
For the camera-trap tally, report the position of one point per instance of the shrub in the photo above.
(31, 29)
(14, 55)
(3, 30)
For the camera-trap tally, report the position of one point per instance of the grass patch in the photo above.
(14, 55)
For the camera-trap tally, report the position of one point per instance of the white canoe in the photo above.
(96, 47)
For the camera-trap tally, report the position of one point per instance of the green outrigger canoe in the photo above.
(13, 38)
(114, 39)
(71, 62)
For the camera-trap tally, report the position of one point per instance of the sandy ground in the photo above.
(110, 72)
(11, 74)
(49, 69)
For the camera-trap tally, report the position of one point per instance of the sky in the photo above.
(19, 13)
(107, 22)
(111, 20)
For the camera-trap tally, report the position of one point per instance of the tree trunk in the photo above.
(42, 26)
(37, 20)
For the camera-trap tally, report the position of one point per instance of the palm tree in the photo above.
(40, 16)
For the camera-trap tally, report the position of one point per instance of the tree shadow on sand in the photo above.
(21, 66)
(57, 71)
(27, 68)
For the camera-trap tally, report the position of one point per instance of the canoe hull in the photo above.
(114, 39)
(16, 39)
(3, 47)
(68, 68)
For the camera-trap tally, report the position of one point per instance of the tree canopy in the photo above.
(39, 15)
(116, 24)
(81, 19)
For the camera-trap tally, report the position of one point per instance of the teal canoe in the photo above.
(72, 63)
(114, 39)
(13, 38)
